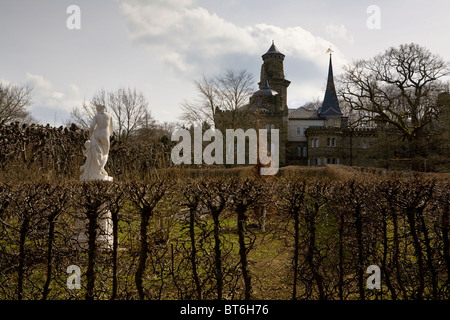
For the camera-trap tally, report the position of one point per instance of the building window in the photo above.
(316, 143)
(364, 145)
(331, 142)
(312, 143)
(318, 161)
(304, 132)
(305, 152)
(299, 131)
(299, 151)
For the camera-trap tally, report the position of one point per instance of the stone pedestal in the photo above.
(105, 226)
(104, 236)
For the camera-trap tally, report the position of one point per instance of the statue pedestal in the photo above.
(104, 236)
(95, 176)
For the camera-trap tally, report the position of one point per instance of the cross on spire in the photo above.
(329, 50)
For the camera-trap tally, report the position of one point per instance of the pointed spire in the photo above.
(265, 89)
(273, 52)
(330, 105)
(266, 83)
(273, 48)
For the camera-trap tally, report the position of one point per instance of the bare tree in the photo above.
(222, 95)
(313, 104)
(83, 115)
(128, 107)
(400, 88)
(133, 111)
(14, 103)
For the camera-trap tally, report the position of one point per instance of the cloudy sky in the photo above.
(160, 47)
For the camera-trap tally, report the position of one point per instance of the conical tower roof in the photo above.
(265, 89)
(330, 105)
(273, 52)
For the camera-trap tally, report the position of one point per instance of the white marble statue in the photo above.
(96, 153)
(97, 148)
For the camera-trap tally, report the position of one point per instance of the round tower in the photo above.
(272, 71)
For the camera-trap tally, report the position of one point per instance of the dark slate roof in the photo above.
(273, 50)
(265, 89)
(303, 113)
(330, 105)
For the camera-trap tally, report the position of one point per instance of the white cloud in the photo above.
(177, 62)
(187, 36)
(44, 94)
(38, 83)
(339, 32)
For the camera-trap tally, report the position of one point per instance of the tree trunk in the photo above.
(20, 272)
(429, 255)
(115, 222)
(360, 248)
(311, 248)
(445, 237)
(218, 255)
(92, 248)
(396, 253)
(296, 252)
(385, 253)
(243, 254)
(51, 236)
(414, 149)
(194, 253)
(341, 256)
(418, 252)
(145, 218)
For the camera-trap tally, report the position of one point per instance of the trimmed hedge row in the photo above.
(226, 238)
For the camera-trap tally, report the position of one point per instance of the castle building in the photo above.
(308, 137)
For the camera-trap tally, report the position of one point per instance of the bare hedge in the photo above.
(219, 238)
